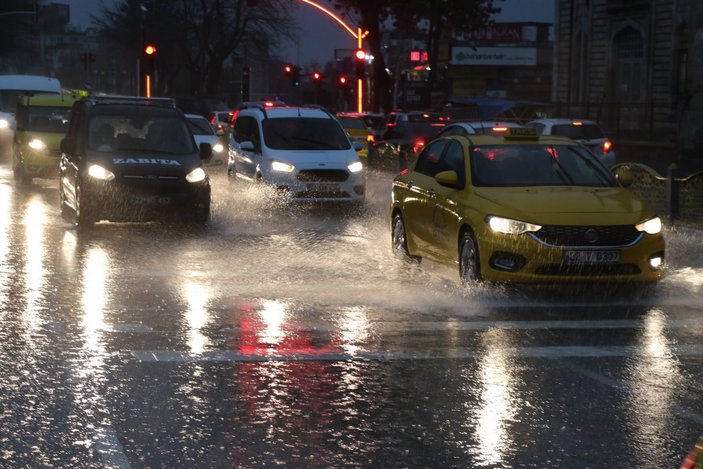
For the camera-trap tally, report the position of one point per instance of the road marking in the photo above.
(111, 452)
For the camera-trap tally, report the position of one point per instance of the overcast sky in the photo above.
(319, 35)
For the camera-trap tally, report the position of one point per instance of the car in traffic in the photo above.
(586, 132)
(221, 121)
(358, 132)
(203, 132)
(399, 144)
(524, 208)
(477, 128)
(41, 123)
(401, 117)
(301, 151)
(127, 158)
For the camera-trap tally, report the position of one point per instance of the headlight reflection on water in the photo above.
(34, 269)
(197, 316)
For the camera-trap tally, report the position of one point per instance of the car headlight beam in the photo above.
(651, 226)
(98, 172)
(509, 226)
(355, 167)
(36, 144)
(282, 167)
(197, 175)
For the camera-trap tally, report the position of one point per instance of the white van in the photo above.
(12, 86)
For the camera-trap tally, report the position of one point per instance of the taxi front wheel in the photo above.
(398, 239)
(469, 260)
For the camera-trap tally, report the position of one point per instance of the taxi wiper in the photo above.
(558, 167)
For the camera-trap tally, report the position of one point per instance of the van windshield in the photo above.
(304, 133)
(48, 119)
(140, 133)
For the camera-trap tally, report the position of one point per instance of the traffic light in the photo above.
(149, 58)
(343, 82)
(87, 58)
(360, 63)
(316, 78)
(148, 68)
(292, 72)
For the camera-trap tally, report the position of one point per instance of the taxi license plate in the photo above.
(591, 257)
(323, 187)
(154, 199)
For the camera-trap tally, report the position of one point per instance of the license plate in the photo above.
(323, 187)
(591, 257)
(154, 199)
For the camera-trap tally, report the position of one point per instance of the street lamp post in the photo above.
(359, 35)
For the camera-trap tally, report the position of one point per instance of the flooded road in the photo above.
(291, 336)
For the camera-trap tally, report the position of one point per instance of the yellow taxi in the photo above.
(523, 208)
(357, 130)
(42, 121)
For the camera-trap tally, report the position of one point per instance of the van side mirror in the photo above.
(68, 146)
(205, 151)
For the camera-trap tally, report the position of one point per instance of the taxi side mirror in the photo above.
(448, 179)
(625, 178)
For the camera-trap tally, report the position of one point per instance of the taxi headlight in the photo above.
(4, 124)
(218, 148)
(282, 167)
(98, 172)
(355, 167)
(36, 144)
(197, 175)
(651, 226)
(509, 226)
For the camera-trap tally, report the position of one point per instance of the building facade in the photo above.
(636, 66)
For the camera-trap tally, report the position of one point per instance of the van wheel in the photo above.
(84, 214)
(469, 266)
(21, 176)
(65, 209)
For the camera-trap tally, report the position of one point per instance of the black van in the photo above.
(130, 158)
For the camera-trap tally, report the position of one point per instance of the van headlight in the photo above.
(4, 124)
(282, 167)
(218, 148)
(651, 226)
(197, 175)
(509, 226)
(36, 144)
(98, 172)
(355, 167)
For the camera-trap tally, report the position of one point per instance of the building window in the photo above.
(629, 64)
(681, 59)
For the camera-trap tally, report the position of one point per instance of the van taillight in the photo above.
(607, 145)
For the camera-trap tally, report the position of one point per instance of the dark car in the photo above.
(132, 159)
(400, 143)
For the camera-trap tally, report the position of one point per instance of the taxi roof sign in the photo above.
(521, 133)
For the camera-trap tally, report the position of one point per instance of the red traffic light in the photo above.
(288, 69)
(150, 49)
(316, 76)
(360, 54)
(343, 80)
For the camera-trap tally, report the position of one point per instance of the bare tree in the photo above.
(195, 38)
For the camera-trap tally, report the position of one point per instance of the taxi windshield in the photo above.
(537, 165)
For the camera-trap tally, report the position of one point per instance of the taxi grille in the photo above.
(323, 175)
(615, 235)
